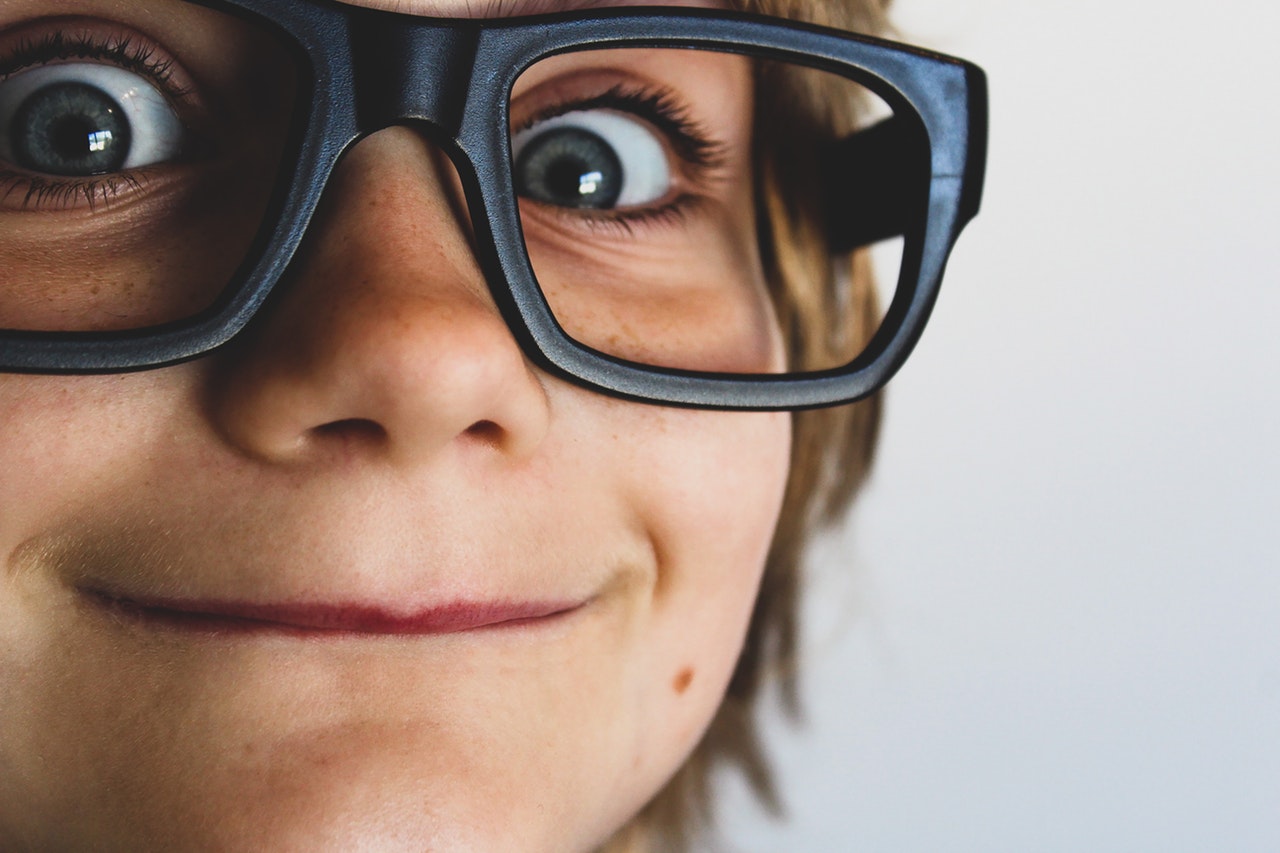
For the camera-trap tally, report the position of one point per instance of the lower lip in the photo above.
(223, 617)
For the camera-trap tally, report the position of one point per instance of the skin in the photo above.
(377, 438)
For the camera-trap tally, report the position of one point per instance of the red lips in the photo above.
(332, 618)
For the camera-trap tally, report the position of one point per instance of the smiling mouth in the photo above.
(329, 619)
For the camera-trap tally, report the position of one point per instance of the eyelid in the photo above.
(51, 41)
(658, 106)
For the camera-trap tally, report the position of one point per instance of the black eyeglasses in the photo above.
(640, 183)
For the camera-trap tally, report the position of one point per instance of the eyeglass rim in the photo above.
(945, 94)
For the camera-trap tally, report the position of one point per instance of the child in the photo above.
(397, 433)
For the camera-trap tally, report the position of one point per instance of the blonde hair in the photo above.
(831, 448)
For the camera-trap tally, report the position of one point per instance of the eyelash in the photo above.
(40, 192)
(63, 194)
(691, 142)
(123, 52)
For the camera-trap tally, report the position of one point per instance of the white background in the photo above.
(1053, 623)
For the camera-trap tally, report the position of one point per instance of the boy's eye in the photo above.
(591, 159)
(82, 118)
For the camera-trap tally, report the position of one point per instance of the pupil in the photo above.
(70, 129)
(570, 167)
(69, 138)
(566, 179)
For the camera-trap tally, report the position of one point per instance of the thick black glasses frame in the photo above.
(365, 70)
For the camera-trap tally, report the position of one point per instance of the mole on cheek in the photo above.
(683, 679)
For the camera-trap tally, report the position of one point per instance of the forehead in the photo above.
(429, 8)
(512, 8)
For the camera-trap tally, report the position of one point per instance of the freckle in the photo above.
(683, 680)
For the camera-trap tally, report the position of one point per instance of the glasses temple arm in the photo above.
(876, 184)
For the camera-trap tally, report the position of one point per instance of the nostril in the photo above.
(486, 431)
(352, 431)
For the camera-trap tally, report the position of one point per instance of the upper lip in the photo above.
(336, 617)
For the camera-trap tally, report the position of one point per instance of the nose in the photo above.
(385, 338)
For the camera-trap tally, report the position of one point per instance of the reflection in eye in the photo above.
(78, 119)
(591, 159)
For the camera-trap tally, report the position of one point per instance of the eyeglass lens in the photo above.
(662, 191)
(135, 170)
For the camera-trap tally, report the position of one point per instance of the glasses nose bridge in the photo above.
(410, 71)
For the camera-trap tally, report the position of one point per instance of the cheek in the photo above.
(67, 443)
(50, 451)
(711, 505)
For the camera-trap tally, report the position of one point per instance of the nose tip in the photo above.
(385, 338)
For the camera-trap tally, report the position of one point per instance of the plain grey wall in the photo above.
(1053, 624)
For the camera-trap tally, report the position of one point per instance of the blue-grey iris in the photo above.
(569, 167)
(70, 129)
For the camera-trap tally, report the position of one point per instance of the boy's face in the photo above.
(392, 587)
